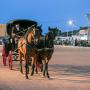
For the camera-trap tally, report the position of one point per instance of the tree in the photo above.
(55, 30)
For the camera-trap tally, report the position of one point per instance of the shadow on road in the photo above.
(71, 70)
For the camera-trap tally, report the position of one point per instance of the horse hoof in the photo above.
(36, 72)
(21, 72)
(41, 70)
(27, 77)
(31, 74)
(42, 76)
(48, 76)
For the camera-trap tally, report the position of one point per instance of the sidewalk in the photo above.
(58, 46)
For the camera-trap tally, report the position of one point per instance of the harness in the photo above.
(28, 45)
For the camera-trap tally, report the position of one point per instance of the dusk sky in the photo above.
(54, 13)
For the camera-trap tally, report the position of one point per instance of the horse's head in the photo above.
(33, 35)
(49, 38)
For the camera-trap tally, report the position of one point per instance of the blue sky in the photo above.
(54, 13)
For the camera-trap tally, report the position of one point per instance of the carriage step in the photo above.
(17, 60)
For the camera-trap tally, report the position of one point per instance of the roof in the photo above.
(84, 28)
(24, 23)
(21, 22)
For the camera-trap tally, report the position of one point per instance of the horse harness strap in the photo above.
(28, 45)
(19, 46)
(25, 36)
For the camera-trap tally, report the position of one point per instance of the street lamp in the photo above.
(88, 18)
(71, 23)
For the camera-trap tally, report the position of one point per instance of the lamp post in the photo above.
(88, 18)
(71, 23)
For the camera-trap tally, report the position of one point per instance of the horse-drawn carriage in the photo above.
(11, 38)
(25, 39)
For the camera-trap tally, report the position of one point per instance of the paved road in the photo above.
(69, 69)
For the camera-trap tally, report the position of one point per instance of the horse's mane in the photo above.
(28, 31)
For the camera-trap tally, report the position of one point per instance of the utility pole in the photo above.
(88, 18)
(71, 23)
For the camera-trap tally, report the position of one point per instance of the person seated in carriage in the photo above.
(17, 32)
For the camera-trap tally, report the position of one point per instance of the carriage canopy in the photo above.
(23, 23)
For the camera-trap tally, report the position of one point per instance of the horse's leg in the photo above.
(36, 67)
(33, 66)
(20, 58)
(47, 71)
(28, 62)
(41, 66)
(21, 64)
(26, 66)
(46, 67)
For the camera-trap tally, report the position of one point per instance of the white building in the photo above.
(60, 38)
(84, 33)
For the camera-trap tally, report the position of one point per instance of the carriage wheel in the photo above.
(10, 60)
(4, 56)
(15, 57)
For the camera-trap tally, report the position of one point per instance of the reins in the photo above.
(19, 47)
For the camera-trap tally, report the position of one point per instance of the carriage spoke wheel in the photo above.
(15, 57)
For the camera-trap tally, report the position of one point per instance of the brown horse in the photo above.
(27, 46)
(45, 54)
(49, 49)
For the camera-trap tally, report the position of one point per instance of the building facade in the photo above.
(2, 30)
(84, 33)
